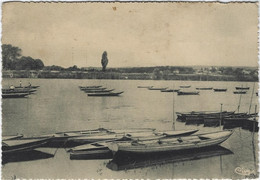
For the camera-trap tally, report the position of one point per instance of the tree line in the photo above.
(12, 59)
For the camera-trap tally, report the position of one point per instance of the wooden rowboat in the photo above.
(90, 87)
(15, 95)
(98, 90)
(170, 90)
(172, 144)
(188, 93)
(220, 90)
(100, 149)
(22, 144)
(65, 138)
(188, 86)
(155, 88)
(9, 137)
(13, 91)
(144, 87)
(242, 88)
(205, 88)
(239, 92)
(106, 94)
(30, 87)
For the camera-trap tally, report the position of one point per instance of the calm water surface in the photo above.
(59, 105)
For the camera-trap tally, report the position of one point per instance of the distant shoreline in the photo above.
(119, 75)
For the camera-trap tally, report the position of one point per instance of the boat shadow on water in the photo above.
(126, 161)
(25, 156)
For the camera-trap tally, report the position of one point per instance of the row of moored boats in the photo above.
(226, 118)
(104, 142)
(18, 91)
(239, 90)
(99, 91)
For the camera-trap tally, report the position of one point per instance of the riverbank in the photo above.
(119, 75)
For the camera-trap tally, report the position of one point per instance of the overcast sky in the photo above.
(134, 34)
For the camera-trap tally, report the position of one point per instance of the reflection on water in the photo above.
(59, 105)
(129, 161)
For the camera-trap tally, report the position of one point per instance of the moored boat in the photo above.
(220, 90)
(251, 124)
(144, 87)
(100, 149)
(12, 91)
(235, 120)
(170, 90)
(22, 144)
(172, 144)
(9, 137)
(98, 90)
(200, 117)
(239, 92)
(188, 93)
(97, 150)
(106, 94)
(85, 87)
(242, 88)
(30, 87)
(185, 86)
(65, 138)
(15, 95)
(204, 88)
(157, 88)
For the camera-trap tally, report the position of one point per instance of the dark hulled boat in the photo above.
(236, 120)
(204, 88)
(188, 93)
(89, 89)
(85, 87)
(22, 144)
(242, 88)
(200, 117)
(144, 87)
(106, 94)
(219, 90)
(188, 86)
(170, 90)
(251, 124)
(239, 92)
(27, 87)
(98, 90)
(12, 91)
(155, 88)
(15, 95)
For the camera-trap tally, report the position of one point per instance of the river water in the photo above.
(59, 105)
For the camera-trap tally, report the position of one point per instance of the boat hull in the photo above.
(204, 88)
(220, 90)
(21, 147)
(15, 95)
(187, 93)
(104, 153)
(159, 148)
(105, 94)
(239, 92)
